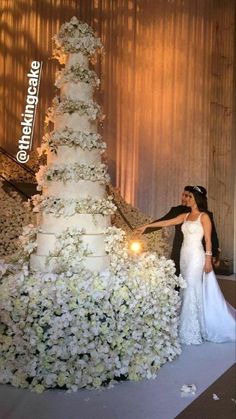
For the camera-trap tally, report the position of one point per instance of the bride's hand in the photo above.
(140, 230)
(208, 266)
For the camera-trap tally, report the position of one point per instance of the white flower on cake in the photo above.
(75, 36)
(68, 207)
(69, 250)
(89, 108)
(77, 73)
(116, 247)
(94, 173)
(28, 241)
(71, 138)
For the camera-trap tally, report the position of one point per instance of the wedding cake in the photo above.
(73, 183)
(69, 322)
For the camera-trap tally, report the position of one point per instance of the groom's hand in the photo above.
(216, 262)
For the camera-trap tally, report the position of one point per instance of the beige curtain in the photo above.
(158, 93)
(167, 92)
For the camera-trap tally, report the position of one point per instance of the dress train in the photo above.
(219, 315)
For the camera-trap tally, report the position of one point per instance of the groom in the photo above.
(178, 237)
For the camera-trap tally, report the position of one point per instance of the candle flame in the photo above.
(135, 246)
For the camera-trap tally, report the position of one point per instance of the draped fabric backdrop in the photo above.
(167, 92)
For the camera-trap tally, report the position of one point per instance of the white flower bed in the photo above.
(14, 214)
(13, 171)
(87, 330)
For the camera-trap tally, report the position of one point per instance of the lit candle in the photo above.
(135, 246)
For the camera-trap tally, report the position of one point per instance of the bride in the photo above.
(205, 314)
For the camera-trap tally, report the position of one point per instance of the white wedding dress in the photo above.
(205, 314)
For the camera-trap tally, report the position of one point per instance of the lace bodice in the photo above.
(193, 231)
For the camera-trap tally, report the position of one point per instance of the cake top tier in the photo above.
(74, 37)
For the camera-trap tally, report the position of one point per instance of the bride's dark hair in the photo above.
(199, 193)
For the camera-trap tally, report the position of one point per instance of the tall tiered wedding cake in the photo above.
(67, 322)
(74, 178)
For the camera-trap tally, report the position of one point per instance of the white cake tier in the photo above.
(77, 58)
(75, 121)
(76, 91)
(71, 155)
(94, 243)
(92, 224)
(93, 263)
(71, 189)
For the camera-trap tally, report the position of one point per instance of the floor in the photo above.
(223, 405)
(228, 287)
(148, 399)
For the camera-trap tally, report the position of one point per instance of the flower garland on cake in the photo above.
(68, 207)
(93, 172)
(90, 108)
(69, 252)
(77, 73)
(76, 36)
(71, 138)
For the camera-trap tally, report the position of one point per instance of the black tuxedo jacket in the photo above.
(178, 237)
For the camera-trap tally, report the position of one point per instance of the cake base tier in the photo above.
(92, 263)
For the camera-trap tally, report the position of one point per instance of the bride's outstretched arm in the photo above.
(164, 223)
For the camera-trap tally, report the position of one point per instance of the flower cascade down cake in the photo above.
(73, 183)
